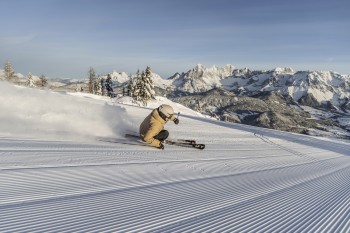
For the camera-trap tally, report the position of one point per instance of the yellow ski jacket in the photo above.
(151, 126)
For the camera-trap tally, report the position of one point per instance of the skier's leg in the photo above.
(164, 134)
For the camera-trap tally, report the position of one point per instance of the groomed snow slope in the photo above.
(247, 179)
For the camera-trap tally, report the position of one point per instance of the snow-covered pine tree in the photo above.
(30, 80)
(133, 85)
(9, 71)
(149, 85)
(109, 85)
(130, 87)
(144, 88)
(98, 86)
(103, 85)
(43, 81)
(91, 83)
(140, 87)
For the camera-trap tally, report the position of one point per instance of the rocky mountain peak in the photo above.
(324, 86)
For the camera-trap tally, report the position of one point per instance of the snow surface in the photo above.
(56, 177)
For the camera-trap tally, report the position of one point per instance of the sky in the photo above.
(64, 38)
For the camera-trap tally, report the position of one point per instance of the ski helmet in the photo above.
(167, 110)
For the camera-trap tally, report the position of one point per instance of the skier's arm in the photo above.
(174, 119)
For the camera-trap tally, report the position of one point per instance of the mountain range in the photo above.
(325, 87)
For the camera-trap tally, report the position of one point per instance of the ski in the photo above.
(178, 142)
(187, 143)
(125, 142)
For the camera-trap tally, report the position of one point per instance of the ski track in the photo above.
(241, 182)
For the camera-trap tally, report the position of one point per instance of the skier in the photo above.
(152, 128)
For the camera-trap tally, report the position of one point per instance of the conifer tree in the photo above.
(43, 81)
(9, 71)
(148, 85)
(143, 86)
(103, 87)
(135, 85)
(139, 89)
(98, 86)
(91, 83)
(30, 80)
(109, 85)
(132, 86)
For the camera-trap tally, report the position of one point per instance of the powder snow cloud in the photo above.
(25, 111)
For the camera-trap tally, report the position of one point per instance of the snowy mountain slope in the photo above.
(247, 179)
(245, 98)
(201, 79)
(119, 77)
(122, 78)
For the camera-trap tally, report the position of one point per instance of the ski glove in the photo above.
(161, 146)
(176, 121)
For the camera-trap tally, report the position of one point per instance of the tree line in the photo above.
(140, 86)
(100, 85)
(10, 75)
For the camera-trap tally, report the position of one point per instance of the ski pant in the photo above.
(164, 134)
